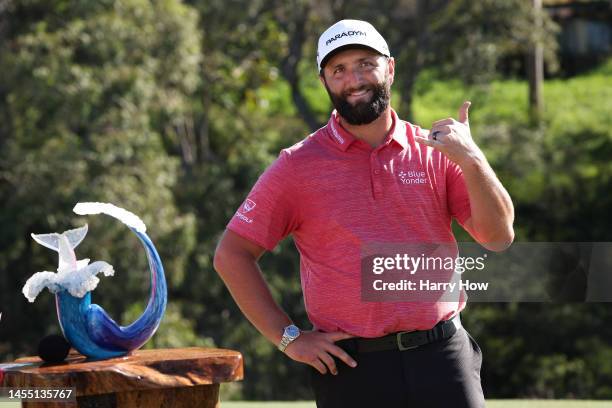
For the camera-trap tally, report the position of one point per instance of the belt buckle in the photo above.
(400, 346)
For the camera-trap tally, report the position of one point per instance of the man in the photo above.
(341, 188)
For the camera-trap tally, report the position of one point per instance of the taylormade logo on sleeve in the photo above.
(345, 34)
(248, 205)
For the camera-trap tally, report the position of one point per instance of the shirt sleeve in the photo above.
(269, 213)
(458, 200)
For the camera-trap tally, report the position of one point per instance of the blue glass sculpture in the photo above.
(87, 327)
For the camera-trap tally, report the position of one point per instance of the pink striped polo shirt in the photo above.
(334, 193)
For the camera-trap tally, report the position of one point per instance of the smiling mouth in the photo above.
(357, 97)
(360, 92)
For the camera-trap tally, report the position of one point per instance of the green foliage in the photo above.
(559, 177)
(563, 164)
(82, 94)
(174, 331)
(173, 110)
(473, 36)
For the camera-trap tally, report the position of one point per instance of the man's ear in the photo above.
(322, 77)
(391, 68)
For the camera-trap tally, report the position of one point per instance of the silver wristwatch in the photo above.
(291, 333)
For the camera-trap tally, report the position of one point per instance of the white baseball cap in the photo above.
(346, 33)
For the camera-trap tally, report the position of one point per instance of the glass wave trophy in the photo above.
(86, 326)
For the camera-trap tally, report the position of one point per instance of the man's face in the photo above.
(358, 82)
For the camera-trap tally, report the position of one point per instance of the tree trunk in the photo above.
(415, 61)
(535, 70)
(289, 67)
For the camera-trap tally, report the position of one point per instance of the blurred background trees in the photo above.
(172, 109)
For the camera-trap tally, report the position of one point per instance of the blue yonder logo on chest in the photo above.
(412, 177)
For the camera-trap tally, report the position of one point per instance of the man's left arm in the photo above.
(492, 212)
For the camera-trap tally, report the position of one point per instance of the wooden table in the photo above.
(186, 377)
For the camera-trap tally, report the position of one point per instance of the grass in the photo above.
(490, 404)
(576, 103)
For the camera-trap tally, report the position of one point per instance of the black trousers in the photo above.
(444, 374)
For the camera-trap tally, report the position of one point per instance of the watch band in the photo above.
(285, 341)
(290, 333)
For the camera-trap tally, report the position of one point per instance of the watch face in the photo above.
(292, 331)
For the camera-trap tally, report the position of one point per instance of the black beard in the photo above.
(363, 113)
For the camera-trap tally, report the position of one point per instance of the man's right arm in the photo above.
(236, 262)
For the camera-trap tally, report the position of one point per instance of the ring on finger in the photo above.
(435, 135)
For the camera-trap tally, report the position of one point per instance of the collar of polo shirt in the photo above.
(343, 139)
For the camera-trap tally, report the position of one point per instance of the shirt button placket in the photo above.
(376, 175)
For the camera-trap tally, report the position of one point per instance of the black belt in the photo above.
(408, 340)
